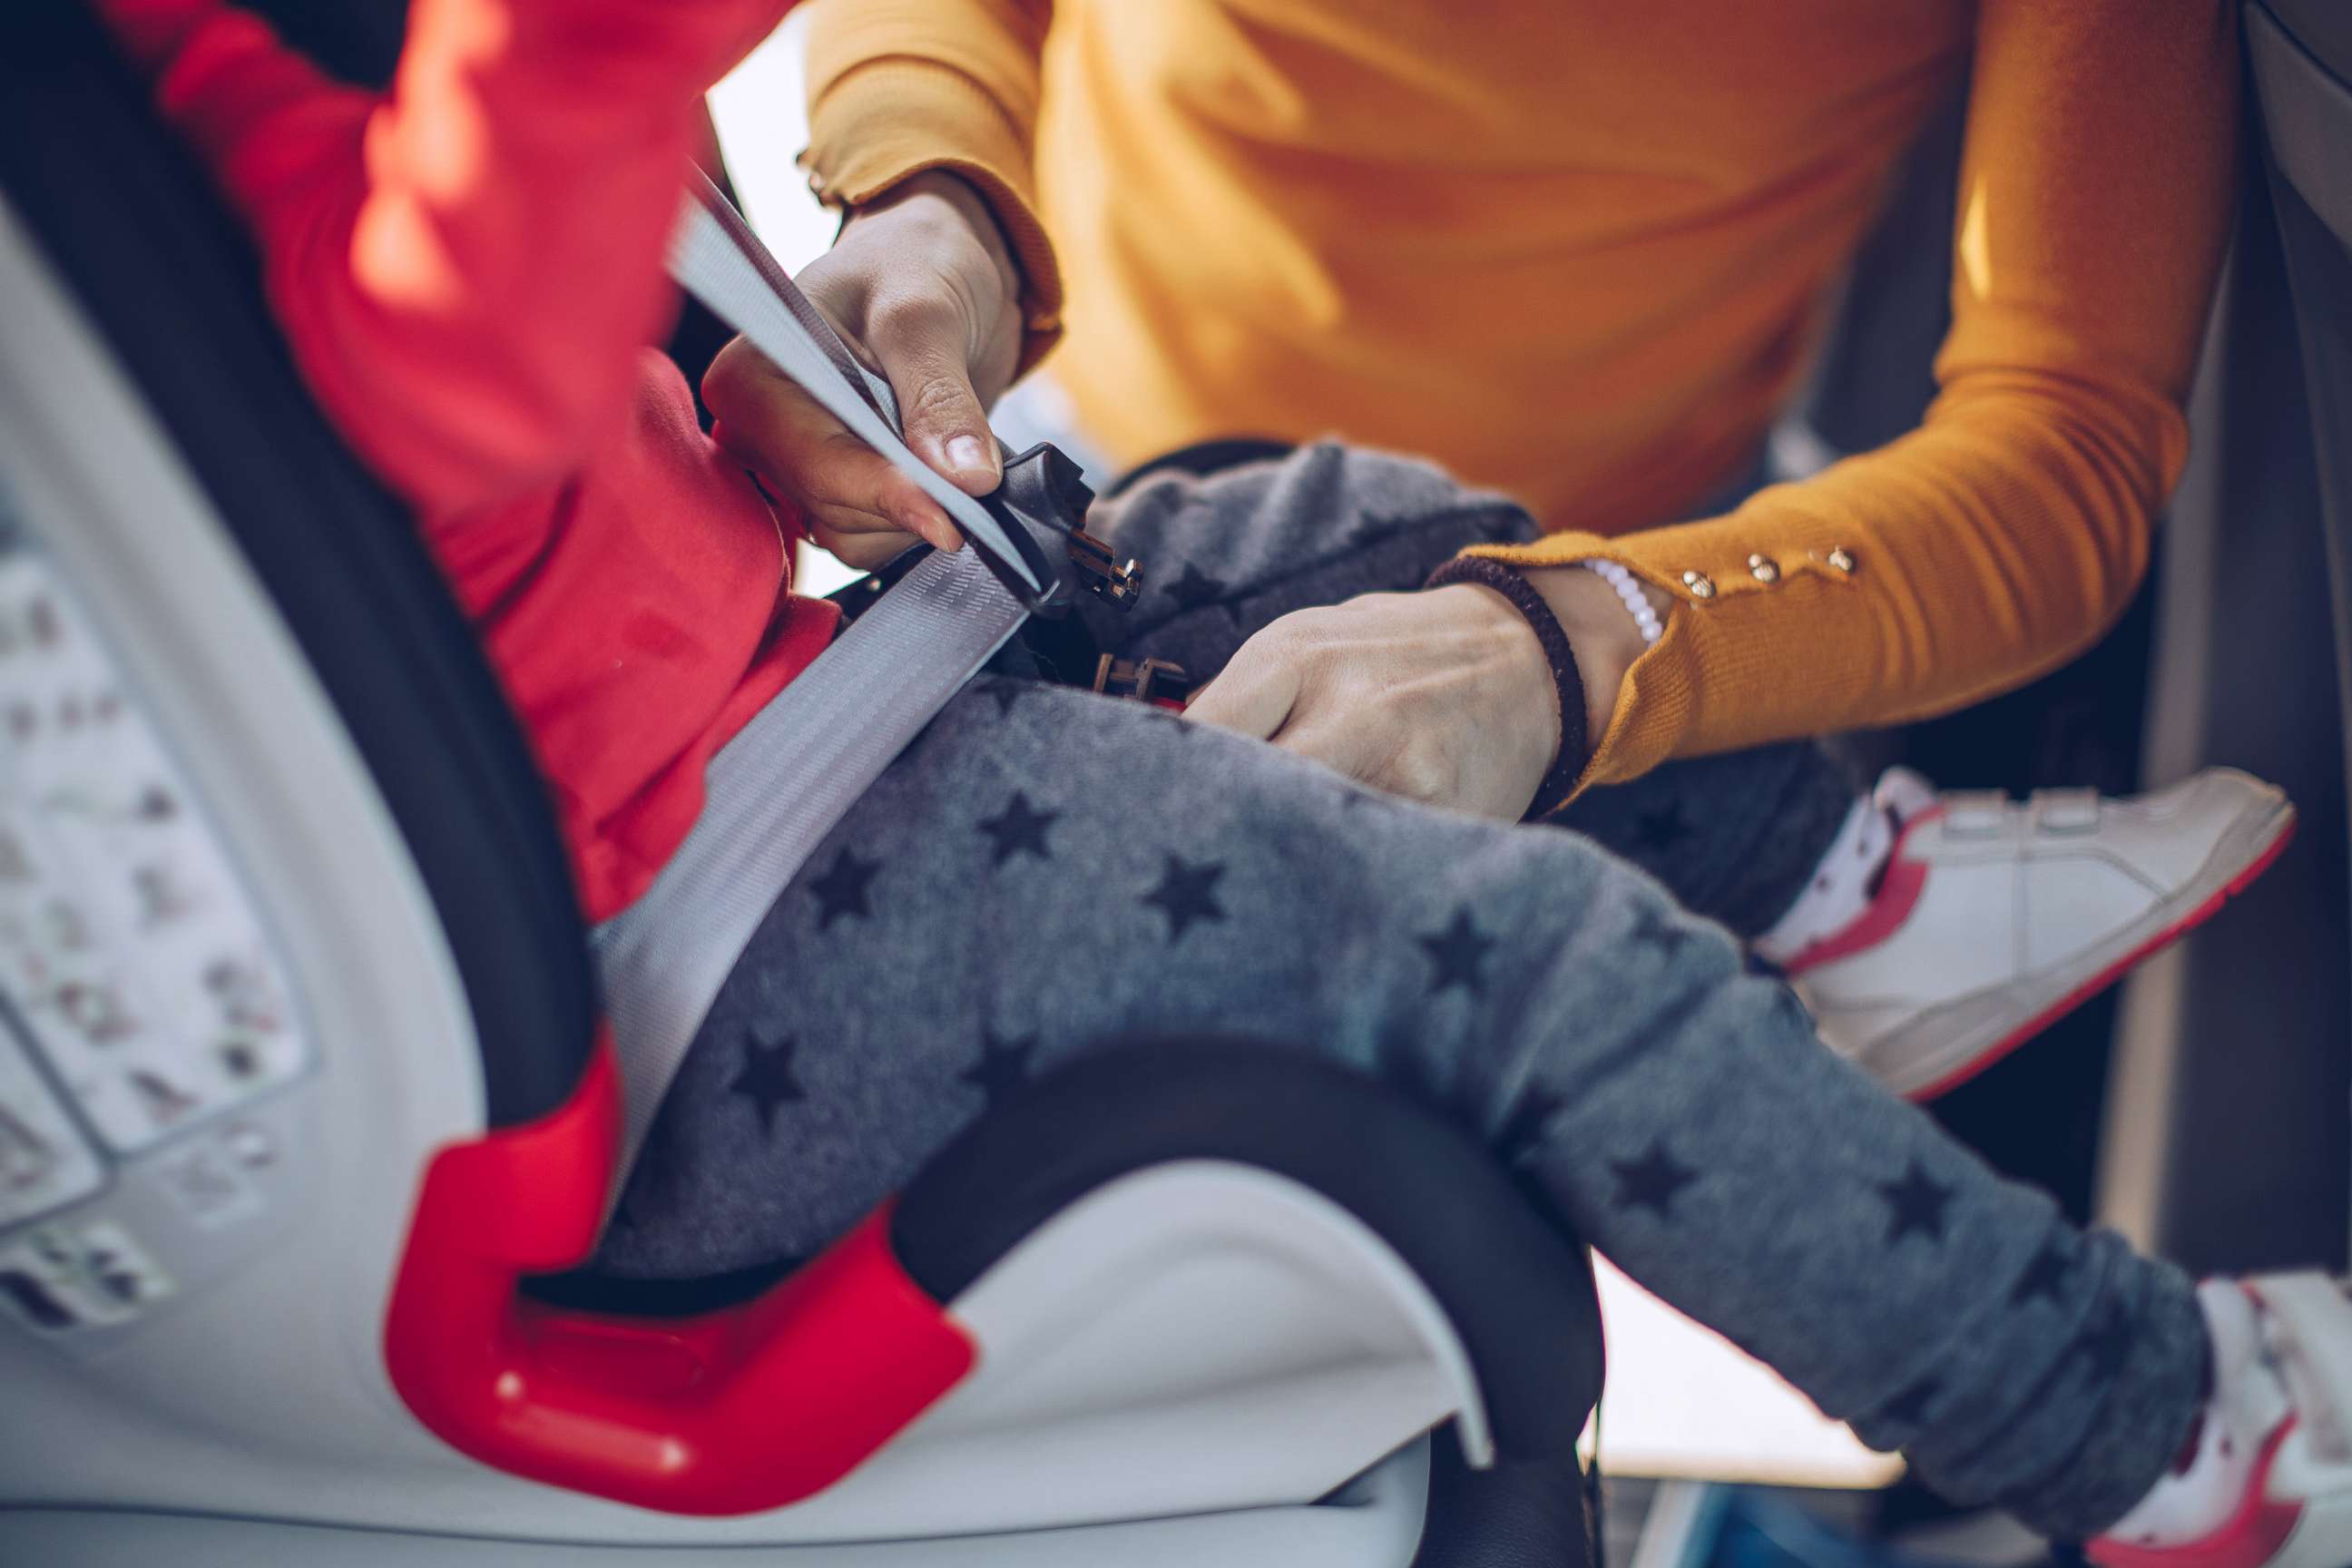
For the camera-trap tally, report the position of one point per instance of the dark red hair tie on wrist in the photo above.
(1556, 785)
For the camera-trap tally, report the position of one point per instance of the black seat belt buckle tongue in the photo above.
(1041, 507)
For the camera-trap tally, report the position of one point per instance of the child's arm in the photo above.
(462, 265)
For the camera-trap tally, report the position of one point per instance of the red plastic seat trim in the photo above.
(728, 1413)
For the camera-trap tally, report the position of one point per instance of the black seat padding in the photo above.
(357, 41)
(1529, 1514)
(2303, 78)
(2324, 28)
(130, 221)
(1519, 1290)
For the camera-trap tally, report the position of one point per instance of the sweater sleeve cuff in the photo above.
(1735, 621)
(884, 121)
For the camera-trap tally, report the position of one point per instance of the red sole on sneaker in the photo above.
(2114, 972)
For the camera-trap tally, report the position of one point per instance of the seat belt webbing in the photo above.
(779, 787)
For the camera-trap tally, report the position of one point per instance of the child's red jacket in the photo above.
(469, 271)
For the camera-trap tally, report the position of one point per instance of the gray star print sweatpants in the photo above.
(1677, 1111)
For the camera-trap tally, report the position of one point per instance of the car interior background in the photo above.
(225, 1400)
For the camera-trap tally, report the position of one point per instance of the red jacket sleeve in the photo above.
(463, 264)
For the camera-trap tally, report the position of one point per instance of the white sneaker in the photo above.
(2283, 1397)
(1994, 918)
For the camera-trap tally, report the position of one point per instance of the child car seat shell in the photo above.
(284, 597)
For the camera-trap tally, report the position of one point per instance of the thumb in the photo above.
(944, 421)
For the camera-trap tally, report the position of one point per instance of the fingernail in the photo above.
(966, 452)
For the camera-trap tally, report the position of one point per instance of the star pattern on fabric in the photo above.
(1002, 1067)
(2046, 1276)
(1187, 893)
(842, 890)
(1195, 588)
(1019, 829)
(1459, 953)
(766, 1079)
(1654, 1180)
(1662, 827)
(2105, 1346)
(1915, 1204)
(1910, 1407)
(1660, 932)
(1522, 1133)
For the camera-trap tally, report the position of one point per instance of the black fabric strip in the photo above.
(1553, 792)
(1203, 459)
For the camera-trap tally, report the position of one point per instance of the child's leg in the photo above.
(1045, 869)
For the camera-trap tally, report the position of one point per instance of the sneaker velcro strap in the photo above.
(1976, 813)
(2066, 810)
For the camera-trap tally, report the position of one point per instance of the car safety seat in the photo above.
(303, 1093)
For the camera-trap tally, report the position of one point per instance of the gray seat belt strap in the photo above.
(778, 788)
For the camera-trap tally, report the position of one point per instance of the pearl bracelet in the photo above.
(1628, 590)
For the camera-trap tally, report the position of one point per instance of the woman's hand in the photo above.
(1443, 697)
(923, 289)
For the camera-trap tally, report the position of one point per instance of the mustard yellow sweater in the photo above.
(1579, 250)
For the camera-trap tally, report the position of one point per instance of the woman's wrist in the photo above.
(1606, 637)
(1510, 584)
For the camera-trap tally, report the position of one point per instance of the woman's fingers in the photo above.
(1353, 750)
(1325, 719)
(1445, 697)
(1256, 692)
(801, 452)
(853, 538)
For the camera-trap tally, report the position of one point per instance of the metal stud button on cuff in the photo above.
(1766, 571)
